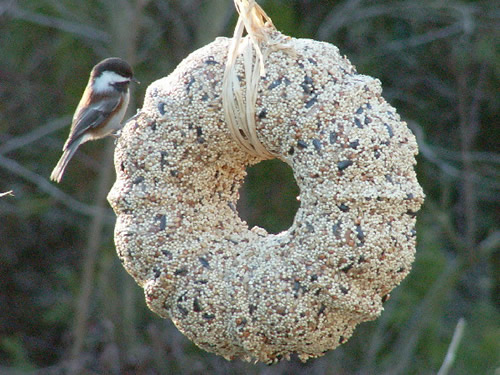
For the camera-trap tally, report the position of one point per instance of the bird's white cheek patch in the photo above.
(104, 82)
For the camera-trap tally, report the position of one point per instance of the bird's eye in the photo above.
(120, 86)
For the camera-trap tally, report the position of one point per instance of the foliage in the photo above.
(66, 302)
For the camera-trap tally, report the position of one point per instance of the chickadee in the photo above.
(101, 109)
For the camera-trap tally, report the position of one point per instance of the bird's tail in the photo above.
(68, 153)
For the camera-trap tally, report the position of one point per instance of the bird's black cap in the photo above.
(113, 64)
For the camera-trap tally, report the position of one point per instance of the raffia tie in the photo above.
(238, 104)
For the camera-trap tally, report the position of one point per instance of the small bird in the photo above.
(101, 109)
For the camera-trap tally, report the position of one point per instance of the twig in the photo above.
(407, 341)
(452, 349)
(446, 225)
(57, 23)
(405, 345)
(426, 38)
(378, 338)
(489, 244)
(31, 137)
(475, 156)
(430, 153)
(44, 185)
(6, 193)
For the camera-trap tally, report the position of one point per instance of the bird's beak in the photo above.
(135, 80)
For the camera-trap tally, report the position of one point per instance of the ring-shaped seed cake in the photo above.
(244, 293)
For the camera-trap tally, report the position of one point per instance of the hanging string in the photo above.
(238, 104)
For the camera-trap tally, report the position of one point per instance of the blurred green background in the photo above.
(66, 303)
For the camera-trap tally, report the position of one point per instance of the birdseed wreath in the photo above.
(244, 293)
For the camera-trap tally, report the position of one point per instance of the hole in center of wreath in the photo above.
(268, 197)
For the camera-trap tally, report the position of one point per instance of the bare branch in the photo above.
(33, 136)
(7, 193)
(430, 153)
(475, 156)
(378, 338)
(63, 25)
(44, 185)
(452, 349)
(409, 337)
(489, 244)
(428, 37)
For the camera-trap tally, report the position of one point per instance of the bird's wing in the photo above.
(91, 117)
